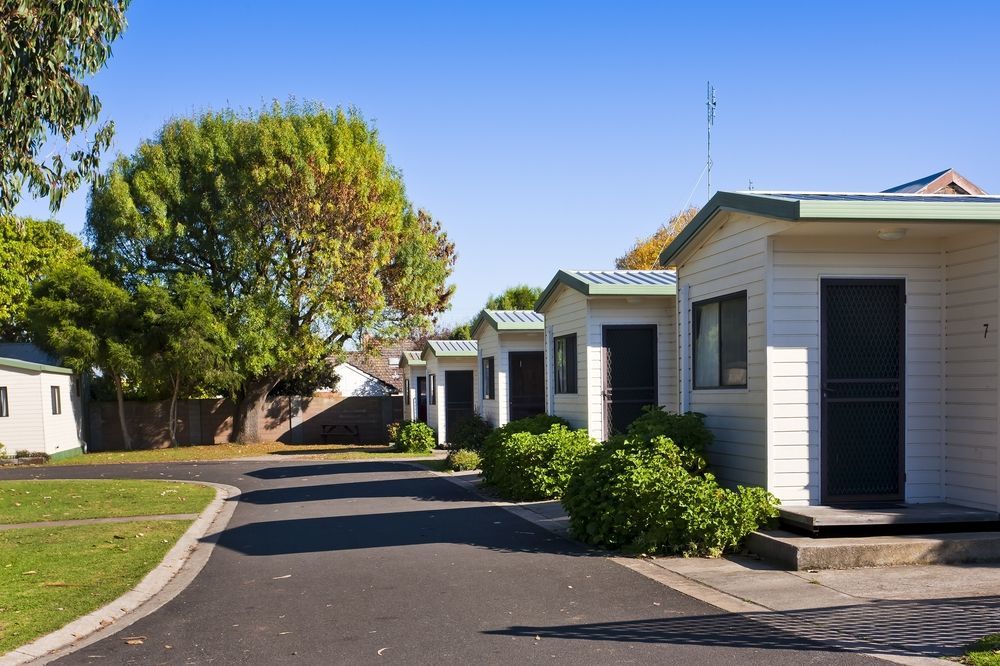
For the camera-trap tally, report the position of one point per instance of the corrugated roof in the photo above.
(612, 283)
(35, 367)
(841, 206)
(510, 320)
(445, 348)
(412, 358)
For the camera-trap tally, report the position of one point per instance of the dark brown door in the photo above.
(458, 395)
(862, 404)
(527, 384)
(422, 399)
(629, 374)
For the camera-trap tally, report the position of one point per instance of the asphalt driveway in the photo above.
(377, 562)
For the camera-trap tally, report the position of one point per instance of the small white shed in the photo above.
(610, 346)
(414, 371)
(40, 409)
(510, 373)
(845, 346)
(450, 394)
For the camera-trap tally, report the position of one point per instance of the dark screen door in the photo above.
(862, 361)
(629, 374)
(422, 399)
(458, 396)
(527, 384)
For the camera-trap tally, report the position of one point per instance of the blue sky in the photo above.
(549, 135)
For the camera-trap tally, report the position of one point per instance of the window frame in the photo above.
(4, 402)
(432, 389)
(55, 396)
(695, 324)
(406, 390)
(569, 384)
(487, 380)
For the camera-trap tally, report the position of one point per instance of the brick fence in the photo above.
(328, 418)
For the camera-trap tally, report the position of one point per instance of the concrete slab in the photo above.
(797, 553)
(818, 518)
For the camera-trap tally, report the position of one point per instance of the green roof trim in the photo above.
(614, 283)
(36, 367)
(802, 206)
(450, 349)
(412, 359)
(509, 320)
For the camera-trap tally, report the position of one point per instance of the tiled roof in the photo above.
(383, 366)
(442, 348)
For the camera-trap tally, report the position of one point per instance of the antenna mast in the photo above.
(711, 121)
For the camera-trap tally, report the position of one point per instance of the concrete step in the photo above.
(798, 553)
(887, 519)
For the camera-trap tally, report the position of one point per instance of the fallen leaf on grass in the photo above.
(29, 573)
(54, 583)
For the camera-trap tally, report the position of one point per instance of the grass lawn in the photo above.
(984, 652)
(49, 577)
(37, 500)
(226, 451)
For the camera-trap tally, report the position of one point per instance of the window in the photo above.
(406, 390)
(564, 353)
(431, 389)
(488, 380)
(56, 401)
(4, 405)
(720, 342)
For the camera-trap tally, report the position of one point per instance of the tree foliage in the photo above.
(88, 322)
(297, 221)
(29, 249)
(645, 252)
(518, 297)
(46, 50)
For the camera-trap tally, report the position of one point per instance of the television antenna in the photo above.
(711, 103)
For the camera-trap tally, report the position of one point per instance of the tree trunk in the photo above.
(250, 408)
(172, 427)
(120, 394)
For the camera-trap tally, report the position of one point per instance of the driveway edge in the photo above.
(175, 572)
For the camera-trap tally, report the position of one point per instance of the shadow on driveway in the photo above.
(330, 468)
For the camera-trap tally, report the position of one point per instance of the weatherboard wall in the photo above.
(31, 424)
(566, 314)
(438, 366)
(499, 345)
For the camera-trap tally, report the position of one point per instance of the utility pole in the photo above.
(711, 121)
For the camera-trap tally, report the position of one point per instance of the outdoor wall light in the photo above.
(894, 233)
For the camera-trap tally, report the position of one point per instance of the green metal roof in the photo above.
(36, 367)
(450, 348)
(412, 358)
(510, 320)
(836, 206)
(612, 283)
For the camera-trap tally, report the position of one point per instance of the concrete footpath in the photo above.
(907, 614)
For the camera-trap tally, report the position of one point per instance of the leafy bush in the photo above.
(641, 496)
(470, 433)
(392, 430)
(24, 453)
(527, 466)
(3, 451)
(415, 437)
(463, 460)
(688, 431)
(536, 425)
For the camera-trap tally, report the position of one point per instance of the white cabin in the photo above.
(450, 368)
(845, 347)
(40, 409)
(510, 373)
(414, 371)
(610, 346)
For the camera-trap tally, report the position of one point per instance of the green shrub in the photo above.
(528, 466)
(463, 460)
(24, 453)
(415, 437)
(469, 433)
(641, 497)
(688, 431)
(3, 451)
(392, 430)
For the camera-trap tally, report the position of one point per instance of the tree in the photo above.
(184, 346)
(518, 297)
(645, 252)
(88, 322)
(297, 221)
(46, 49)
(29, 249)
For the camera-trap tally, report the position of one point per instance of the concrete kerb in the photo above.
(178, 568)
(557, 523)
